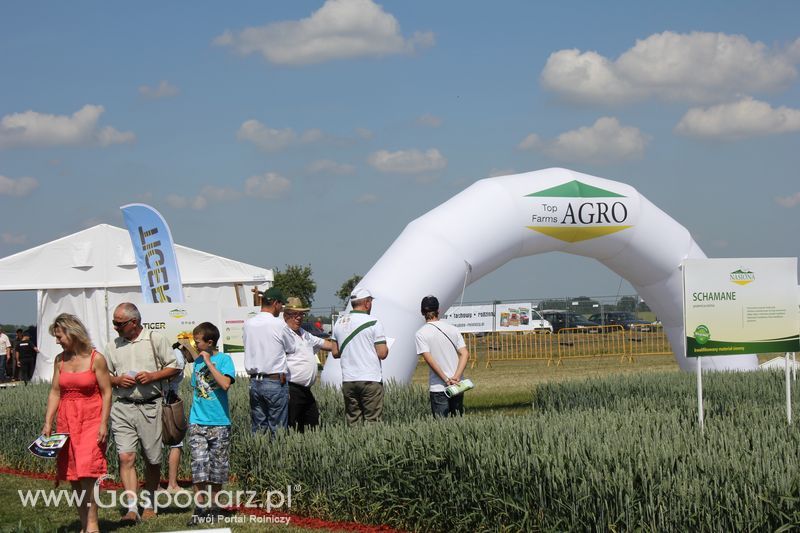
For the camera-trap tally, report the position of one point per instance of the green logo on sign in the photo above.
(701, 334)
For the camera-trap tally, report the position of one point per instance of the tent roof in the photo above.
(102, 256)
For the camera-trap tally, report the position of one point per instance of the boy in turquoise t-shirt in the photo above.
(209, 421)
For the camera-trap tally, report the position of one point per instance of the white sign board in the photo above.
(233, 319)
(175, 318)
(471, 318)
(740, 306)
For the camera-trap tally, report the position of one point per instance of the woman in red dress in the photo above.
(81, 395)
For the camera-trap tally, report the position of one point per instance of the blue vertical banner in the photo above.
(155, 254)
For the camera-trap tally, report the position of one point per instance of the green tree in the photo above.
(347, 287)
(552, 303)
(627, 303)
(296, 280)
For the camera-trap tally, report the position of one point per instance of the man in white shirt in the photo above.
(267, 341)
(443, 348)
(303, 410)
(362, 346)
(5, 352)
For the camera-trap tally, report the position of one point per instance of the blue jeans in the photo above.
(442, 406)
(269, 405)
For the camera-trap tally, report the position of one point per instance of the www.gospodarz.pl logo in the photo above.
(273, 500)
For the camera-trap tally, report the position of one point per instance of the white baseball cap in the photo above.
(360, 294)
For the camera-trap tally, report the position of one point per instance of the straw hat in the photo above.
(295, 304)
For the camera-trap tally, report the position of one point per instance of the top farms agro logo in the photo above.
(742, 276)
(178, 313)
(575, 211)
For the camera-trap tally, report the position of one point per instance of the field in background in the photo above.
(508, 385)
(537, 436)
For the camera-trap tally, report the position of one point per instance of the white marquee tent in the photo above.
(89, 272)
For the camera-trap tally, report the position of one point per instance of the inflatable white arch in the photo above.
(499, 219)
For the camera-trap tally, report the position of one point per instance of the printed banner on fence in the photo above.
(155, 254)
(740, 306)
(471, 318)
(495, 317)
(517, 317)
(233, 319)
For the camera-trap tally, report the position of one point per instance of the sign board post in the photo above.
(740, 306)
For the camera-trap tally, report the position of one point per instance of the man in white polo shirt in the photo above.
(267, 340)
(362, 346)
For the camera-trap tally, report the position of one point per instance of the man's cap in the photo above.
(294, 304)
(274, 293)
(360, 294)
(429, 303)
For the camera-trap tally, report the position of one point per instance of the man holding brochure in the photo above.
(443, 348)
(138, 360)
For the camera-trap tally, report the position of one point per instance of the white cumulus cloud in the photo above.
(606, 141)
(326, 166)
(793, 200)
(530, 142)
(408, 161)
(31, 128)
(697, 66)
(164, 89)
(339, 29)
(738, 120)
(17, 187)
(269, 185)
(272, 139)
(208, 195)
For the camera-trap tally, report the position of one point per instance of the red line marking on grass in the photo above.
(295, 520)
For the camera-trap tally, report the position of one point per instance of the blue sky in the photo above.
(308, 132)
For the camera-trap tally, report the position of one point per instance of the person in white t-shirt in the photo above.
(303, 410)
(5, 353)
(362, 346)
(443, 348)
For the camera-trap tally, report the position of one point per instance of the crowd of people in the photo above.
(18, 357)
(126, 385)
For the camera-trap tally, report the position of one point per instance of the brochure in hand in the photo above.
(462, 386)
(48, 447)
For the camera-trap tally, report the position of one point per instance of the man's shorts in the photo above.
(138, 424)
(210, 448)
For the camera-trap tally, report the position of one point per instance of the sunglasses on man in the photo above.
(118, 325)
